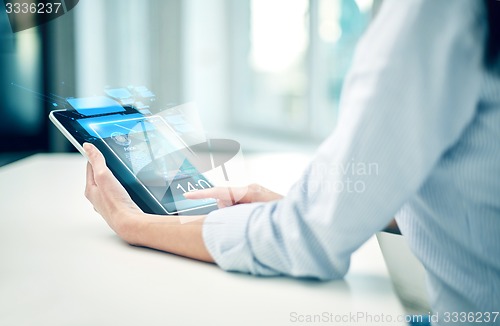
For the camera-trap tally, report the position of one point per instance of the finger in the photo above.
(96, 159)
(90, 175)
(239, 195)
(227, 195)
(90, 184)
(223, 203)
(220, 193)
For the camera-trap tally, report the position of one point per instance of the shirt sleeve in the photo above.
(410, 94)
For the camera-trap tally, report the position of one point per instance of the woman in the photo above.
(422, 103)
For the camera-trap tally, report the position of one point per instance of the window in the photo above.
(133, 42)
(260, 65)
(289, 59)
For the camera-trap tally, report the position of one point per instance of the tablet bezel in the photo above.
(136, 189)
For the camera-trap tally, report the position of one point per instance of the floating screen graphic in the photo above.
(167, 153)
(157, 157)
(86, 123)
(95, 105)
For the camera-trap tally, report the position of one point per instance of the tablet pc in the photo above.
(150, 163)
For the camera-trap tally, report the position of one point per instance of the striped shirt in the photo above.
(418, 138)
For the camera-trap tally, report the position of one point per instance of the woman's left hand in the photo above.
(107, 195)
(112, 201)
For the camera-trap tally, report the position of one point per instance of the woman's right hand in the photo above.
(229, 196)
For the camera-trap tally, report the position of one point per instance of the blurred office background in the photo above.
(265, 72)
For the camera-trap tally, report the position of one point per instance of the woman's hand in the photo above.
(112, 201)
(107, 195)
(235, 195)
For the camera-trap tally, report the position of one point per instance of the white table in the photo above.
(61, 265)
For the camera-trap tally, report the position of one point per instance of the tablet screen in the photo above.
(149, 149)
(157, 157)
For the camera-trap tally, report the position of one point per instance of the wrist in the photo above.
(166, 233)
(128, 224)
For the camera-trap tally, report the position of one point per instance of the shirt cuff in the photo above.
(225, 233)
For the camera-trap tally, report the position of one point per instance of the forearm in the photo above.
(166, 233)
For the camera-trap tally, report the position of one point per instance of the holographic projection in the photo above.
(166, 150)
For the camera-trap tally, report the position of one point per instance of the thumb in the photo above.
(96, 159)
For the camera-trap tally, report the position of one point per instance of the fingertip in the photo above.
(195, 194)
(95, 158)
(87, 147)
(188, 195)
